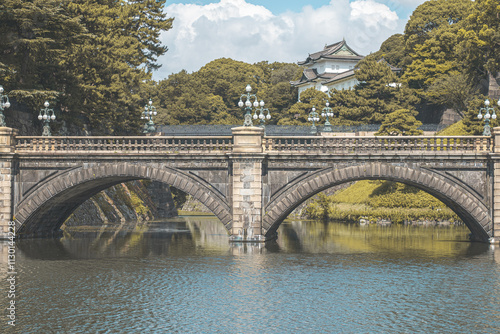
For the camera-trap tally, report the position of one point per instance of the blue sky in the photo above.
(276, 6)
(281, 6)
(283, 30)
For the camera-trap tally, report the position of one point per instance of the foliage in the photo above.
(298, 113)
(431, 39)
(377, 95)
(452, 90)
(379, 200)
(211, 95)
(456, 129)
(472, 124)
(432, 59)
(479, 48)
(431, 16)
(95, 57)
(400, 122)
(393, 51)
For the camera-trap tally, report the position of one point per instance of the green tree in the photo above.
(452, 90)
(112, 65)
(393, 51)
(95, 56)
(430, 16)
(378, 93)
(479, 48)
(349, 108)
(36, 36)
(298, 113)
(472, 124)
(431, 36)
(434, 58)
(211, 95)
(400, 122)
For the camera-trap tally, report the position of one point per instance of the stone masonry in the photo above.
(6, 173)
(250, 182)
(247, 184)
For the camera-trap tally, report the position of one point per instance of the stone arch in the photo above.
(467, 204)
(46, 207)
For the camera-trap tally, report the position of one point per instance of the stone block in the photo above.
(247, 178)
(256, 198)
(308, 187)
(247, 192)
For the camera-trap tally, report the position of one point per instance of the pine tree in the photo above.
(96, 57)
(400, 122)
(479, 49)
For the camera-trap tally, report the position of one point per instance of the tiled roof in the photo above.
(311, 75)
(340, 76)
(330, 52)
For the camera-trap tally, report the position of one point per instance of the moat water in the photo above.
(183, 276)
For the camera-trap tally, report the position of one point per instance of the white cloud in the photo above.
(373, 14)
(242, 31)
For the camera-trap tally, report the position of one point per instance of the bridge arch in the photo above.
(46, 207)
(467, 204)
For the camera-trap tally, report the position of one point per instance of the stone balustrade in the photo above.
(172, 144)
(369, 144)
(124, 144)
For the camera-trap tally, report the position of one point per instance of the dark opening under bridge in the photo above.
(250, 181)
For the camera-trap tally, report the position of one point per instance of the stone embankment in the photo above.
(131, 201)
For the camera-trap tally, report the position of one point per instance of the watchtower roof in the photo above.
(339, 50)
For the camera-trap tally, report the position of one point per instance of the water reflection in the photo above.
(184, 276)
(191, 235)
(320, 237)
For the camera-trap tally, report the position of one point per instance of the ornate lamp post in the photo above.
(248, 105)
(45, 116)
(147, 114)
(313, 117)
(487, 116)
(4, 104)
(327, 112)
(261, 115)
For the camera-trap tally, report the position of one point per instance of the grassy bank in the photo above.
(380, 200)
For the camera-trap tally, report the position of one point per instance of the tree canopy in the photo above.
(94, 57)
(211, 95)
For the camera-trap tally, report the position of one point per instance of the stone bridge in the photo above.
(250, 181)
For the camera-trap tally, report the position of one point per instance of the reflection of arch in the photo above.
(46, 207)
(465, 203)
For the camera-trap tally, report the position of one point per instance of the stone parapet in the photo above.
(247, 139)
(7, 140)
(496, 139)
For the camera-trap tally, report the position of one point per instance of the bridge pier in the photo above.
(246, 161)
(7, 150)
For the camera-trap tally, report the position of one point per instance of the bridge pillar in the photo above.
(7, 148)
(247, 160)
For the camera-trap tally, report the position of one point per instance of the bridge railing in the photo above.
(171, 144)
(185, 144)
(372, 144)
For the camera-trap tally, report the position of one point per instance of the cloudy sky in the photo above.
(274, 30)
